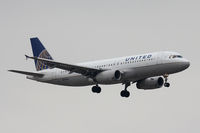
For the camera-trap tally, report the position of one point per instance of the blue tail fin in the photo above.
(39, 51)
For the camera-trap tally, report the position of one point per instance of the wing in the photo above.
(27, 73)
(86, 71)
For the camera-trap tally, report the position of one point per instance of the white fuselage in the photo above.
(135, 68)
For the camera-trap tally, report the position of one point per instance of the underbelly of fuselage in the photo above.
(130, 74)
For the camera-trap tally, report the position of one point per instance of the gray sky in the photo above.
(83, 30)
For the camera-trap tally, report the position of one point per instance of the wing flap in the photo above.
(27, 73)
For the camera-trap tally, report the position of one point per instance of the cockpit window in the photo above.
(175, 56)
(179, 56)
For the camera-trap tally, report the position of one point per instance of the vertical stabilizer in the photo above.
(39, 51)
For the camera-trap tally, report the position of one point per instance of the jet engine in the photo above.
(150, 83)
(109, 77)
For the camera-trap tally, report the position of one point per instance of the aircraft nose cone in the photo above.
(186, 64)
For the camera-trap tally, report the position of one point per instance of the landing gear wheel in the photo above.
(122, 93)
(167, 84)
(96, 89)
(125, 93)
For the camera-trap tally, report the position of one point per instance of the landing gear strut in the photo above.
(96, 89)
(125, 93)
(166, 84)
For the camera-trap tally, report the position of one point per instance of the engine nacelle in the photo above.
(150, 83)
(109, 77)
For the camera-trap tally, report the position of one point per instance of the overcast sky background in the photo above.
(84, 30)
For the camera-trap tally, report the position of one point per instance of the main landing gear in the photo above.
(96, 89)
(125, 93)
(166, 84)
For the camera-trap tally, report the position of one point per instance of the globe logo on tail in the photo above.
(39, 64)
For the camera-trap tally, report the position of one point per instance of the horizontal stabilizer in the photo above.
(27, 73)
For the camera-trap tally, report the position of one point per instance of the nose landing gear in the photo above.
(166, 84)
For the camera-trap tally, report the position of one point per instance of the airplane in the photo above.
(148, 71)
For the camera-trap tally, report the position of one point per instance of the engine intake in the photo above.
(118, 75)
(150, 83)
